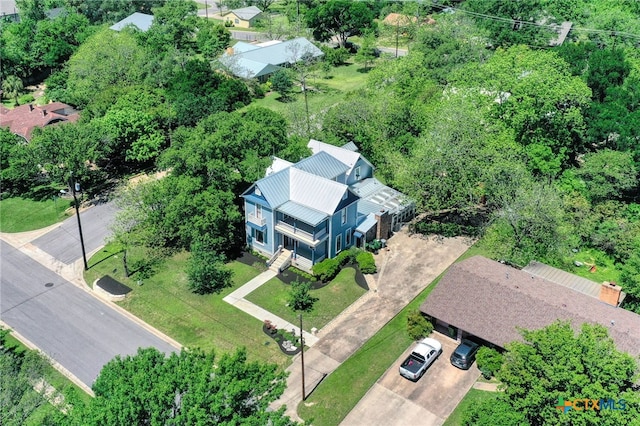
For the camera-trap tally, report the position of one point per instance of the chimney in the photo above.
(30, 107)
(610, 293)
(384, 225)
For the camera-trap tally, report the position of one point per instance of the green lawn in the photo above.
(324, 93)
(164, 301)
(332, 299)
(20, 214)
(605, 267)
(474, 395)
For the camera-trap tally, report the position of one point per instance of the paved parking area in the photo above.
(394, 400)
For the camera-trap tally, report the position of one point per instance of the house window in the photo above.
(357, 173)
(237, 21)
(344, 215)
(259, 236)
(258, 211)
(338, 244)
(258, 192)
(347, 238)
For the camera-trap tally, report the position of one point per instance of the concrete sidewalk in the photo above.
(407, 267)
(236, 298)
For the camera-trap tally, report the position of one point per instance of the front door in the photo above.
(288, 243)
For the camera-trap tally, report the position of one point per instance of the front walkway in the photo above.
(236, 298)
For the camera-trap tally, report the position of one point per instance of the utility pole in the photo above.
(75, 186)
(302, 357)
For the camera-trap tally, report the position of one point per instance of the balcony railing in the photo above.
(299, 234)
(260, 221)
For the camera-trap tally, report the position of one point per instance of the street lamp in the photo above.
(75, 187)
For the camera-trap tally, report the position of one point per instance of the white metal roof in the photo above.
(142, 21)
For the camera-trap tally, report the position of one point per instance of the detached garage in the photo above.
(490, 301)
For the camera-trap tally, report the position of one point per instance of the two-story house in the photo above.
(308, 211)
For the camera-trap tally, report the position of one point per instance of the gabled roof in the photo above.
(248, 60)
(491, 301)
(24, 118)
(299, 192)
(245, 13)
(142, 21)
(346, 156)
(322, 164)
(276, 165)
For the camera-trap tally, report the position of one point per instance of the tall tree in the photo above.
(608, 174)
(534, 93)
(206, 270)
(512, 23)
(12, 87)
(192, 387)
(532, 225)
(340, 19)
(107, 59)
(554, 364)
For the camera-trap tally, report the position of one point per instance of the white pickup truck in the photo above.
(422, 356)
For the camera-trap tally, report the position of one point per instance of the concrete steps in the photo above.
(285, 257)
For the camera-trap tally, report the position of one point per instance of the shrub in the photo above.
(366, 263)
(418, 326)
(489, 361)
(25, 99)
(327, 269)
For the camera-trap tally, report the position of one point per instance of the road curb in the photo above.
(69, 375)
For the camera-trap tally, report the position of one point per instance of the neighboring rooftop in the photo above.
(245, 13)
(141, 21)
(572, 281)
(24, 118)
(256, 60)
(492, 301)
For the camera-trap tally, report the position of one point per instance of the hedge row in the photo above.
(327, 269)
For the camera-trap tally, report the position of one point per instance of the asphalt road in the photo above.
(63, 243)
(65, 322)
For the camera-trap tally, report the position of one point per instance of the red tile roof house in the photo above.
(488, 300)
(23, 119)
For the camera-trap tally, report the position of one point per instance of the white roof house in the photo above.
(257, 60)
(141, 21)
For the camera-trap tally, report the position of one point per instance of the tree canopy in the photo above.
(555, 364)
(340, 19)
(190, 387)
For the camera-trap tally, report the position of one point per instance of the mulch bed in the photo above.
(288, 276)
(280, 340)
(249, 259)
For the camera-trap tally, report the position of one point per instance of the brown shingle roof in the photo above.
(23, 119)
(491, 300)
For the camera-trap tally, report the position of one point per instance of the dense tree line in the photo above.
(554, 365)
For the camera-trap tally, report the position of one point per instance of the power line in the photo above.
(552, 27)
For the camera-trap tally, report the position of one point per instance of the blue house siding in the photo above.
(259, 220)
(361, 170)
(338, 229)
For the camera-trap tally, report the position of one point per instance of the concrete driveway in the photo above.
(394, 400)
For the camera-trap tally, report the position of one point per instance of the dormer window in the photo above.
(258, 192)
(357, 173)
